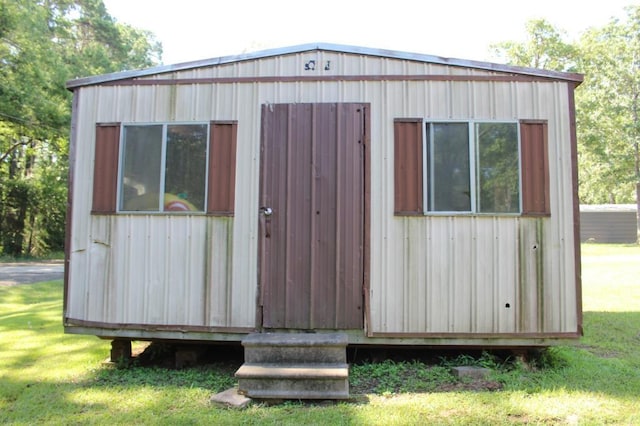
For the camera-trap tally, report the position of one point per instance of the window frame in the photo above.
(163, 159)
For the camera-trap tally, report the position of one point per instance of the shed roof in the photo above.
(417, 57)
(607, 208)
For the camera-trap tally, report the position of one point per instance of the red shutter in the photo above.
(535, 168)
(408, 165)
(222, 168)
(105, 168)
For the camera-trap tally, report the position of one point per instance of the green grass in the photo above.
(47, 377)
(611, 277)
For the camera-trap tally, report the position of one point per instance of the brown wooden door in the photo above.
(312, 233)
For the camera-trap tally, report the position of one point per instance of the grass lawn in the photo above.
(53, 378)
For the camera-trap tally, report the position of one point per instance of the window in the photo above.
(470, 167)
(165, 168)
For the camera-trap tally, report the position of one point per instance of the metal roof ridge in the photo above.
(393, 54)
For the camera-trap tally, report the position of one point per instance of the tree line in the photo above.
(44, 43)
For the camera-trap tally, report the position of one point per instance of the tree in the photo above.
(544, 48)
(610, 111)
(608, 102)
(42, 45)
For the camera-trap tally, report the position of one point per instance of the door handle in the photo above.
(267, 211)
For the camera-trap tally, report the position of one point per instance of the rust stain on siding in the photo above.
(532, 275)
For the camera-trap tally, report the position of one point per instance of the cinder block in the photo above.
(120, 350)
(230, 398)
(479, 373)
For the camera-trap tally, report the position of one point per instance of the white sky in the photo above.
(200, 29)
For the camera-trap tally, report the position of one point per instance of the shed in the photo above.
(608, 223)
(398, 198)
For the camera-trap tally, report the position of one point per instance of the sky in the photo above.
(192, 30)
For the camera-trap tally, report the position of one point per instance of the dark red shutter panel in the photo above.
(535, 168)
(408, 165)
(105, 168)
(222, 168)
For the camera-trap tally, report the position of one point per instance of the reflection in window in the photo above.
(185, 167)
(497, 181)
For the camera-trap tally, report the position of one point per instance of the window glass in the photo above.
(497, 171)
(449, 173)
(186, 167)
(164, 168)
(140, 180)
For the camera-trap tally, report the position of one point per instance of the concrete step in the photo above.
(294, 381)
(295, 366)
(301, 371)
(295, 348)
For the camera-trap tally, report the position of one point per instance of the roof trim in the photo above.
(487, 66)
(608, 208)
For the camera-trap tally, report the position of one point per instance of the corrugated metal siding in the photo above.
(426, 273)
(608, 226)
(457, 274)
(156, 269)
(159, 270)
(447, 281)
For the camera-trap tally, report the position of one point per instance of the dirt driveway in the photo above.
(30, 272)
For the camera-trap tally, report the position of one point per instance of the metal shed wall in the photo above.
(430, 276)
(608, 224)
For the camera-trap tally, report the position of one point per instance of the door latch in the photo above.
(267, 211)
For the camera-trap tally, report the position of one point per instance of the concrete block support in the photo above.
(476, 373)
(120, 350)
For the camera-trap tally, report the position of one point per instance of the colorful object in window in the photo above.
(175, 203)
